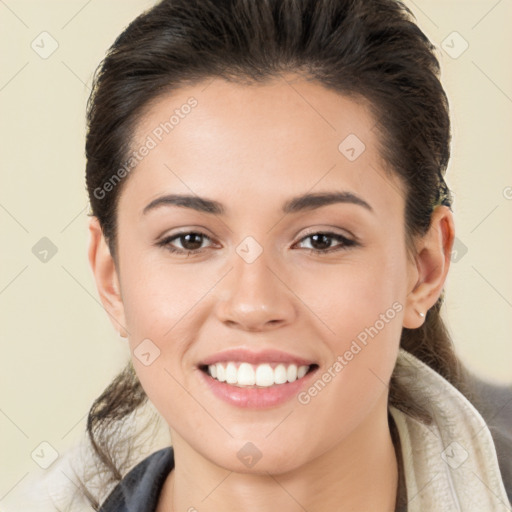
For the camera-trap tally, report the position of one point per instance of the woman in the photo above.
(271, 232)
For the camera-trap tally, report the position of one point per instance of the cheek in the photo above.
(165, 306)
(159, 295)
(361, 308)
(366, 325)
(361, 291)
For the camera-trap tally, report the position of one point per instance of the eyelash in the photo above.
(346, 243)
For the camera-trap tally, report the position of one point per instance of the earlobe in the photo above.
(432, 265)
(106, 277)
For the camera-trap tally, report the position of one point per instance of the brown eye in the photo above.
(190, 242)
(322, 242)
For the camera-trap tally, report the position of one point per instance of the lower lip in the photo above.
(257, 398)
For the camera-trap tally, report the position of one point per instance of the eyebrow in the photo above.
(297, 204)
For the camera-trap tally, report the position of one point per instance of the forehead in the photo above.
(281, 138)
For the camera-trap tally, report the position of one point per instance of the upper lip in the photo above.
(253, 357)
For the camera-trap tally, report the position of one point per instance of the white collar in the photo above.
(450, 465)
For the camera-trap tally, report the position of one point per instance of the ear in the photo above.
(429, 271)
(105, 275)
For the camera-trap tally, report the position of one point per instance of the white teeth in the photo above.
(280, 374)
(221, 372)
(291, 373)
(262, 375)
(301, 371)
(231, 373)
(245, 376)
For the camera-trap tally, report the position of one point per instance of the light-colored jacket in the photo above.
(452, 464)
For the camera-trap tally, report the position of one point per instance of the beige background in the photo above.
(58, 348)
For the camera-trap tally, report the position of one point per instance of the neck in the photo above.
(358, 473)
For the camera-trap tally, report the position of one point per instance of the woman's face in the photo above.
(252, 283)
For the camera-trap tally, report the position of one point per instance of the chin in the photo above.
(256, 458)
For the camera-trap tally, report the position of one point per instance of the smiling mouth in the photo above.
(242, 374)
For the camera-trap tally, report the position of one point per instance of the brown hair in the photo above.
(369, 50)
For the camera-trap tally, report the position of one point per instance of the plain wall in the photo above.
(59, 350)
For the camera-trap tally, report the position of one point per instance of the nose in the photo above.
(254, 297)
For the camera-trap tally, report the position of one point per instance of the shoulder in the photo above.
(494, 402)
(140, 489)
(472, 432)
